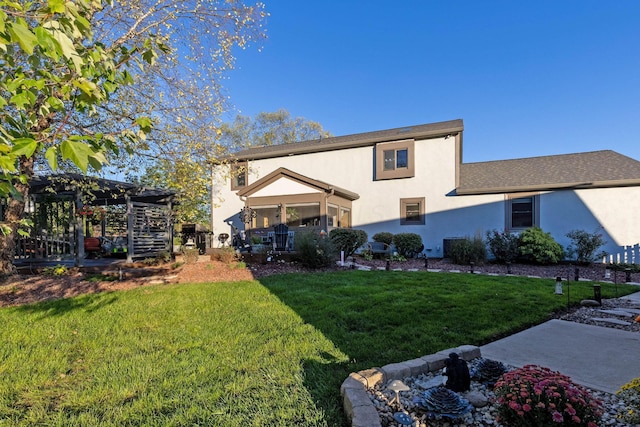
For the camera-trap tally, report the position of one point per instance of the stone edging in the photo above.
(356, 402)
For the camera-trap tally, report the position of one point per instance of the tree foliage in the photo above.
(188, 171)
(85, 82)
(269, 128)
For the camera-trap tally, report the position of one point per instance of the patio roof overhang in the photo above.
(102, 191)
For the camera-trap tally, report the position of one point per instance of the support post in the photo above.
(129, 229)
(79, 232)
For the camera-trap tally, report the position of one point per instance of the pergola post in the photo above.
(79, 232)
(129, 229)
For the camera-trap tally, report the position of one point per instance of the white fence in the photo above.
(627, 255)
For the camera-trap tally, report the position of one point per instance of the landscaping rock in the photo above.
(589, 303)
(477, 399)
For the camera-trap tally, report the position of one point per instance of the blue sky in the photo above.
(528, 78)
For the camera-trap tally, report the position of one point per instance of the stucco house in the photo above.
(412, 179)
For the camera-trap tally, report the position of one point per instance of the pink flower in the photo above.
(514, 405)
(557, 417)
(526, 407)
(576, 419)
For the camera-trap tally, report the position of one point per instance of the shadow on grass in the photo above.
(323, 381)
(88, 303)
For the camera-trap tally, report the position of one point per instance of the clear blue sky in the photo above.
(528, 78)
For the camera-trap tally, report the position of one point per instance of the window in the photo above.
(303, 214)
(239, 175)
(412, 211)
(345, 218)
(522, 212)
(332, 216)
(394, 160)
(266, 216)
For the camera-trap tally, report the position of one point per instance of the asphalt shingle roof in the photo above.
(579, 170)
(349, 141)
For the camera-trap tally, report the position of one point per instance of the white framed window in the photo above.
(522, 211)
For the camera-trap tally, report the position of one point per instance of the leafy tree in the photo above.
(273, 128)
(188, 173)
(82, 83)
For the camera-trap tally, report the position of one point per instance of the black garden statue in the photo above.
(457, 372)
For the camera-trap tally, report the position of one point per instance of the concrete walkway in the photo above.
(597, 357)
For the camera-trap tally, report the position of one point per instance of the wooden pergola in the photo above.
(58, 202)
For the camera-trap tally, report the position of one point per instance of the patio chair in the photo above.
(281, 234)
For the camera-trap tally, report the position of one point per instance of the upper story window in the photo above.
(239, 175)
(522, 212)
(395, 160)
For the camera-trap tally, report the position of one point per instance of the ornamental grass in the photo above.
(535, 396)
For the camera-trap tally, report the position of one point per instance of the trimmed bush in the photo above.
(540, 247)
(383, 237)
(584, 245)
(503, 245)
(408, 244)
(191, 255)
(314, 250)
(534, 396)
(347, 240)
(226, 255)
(466, 251)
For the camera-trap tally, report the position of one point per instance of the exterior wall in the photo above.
(611, 211)
(378, 208)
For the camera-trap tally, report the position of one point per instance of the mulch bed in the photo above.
(28, 288)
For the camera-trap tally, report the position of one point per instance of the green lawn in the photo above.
(247, 353)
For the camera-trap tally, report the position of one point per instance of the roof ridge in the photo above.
(581, 153)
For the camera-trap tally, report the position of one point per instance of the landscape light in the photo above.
(558, 285)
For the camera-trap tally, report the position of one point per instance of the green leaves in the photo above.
(20, 33)
(81, 154)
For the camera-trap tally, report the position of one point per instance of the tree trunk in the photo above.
(12, 217)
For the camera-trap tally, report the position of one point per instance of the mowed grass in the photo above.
(269, 353)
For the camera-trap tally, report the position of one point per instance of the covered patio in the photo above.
(72, 214)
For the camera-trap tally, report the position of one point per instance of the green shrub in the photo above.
(383, 237)
(584, 245)
(630, 394)
(534, 396)
(503, 245)
(466, 251)
(55, 270)
(347, 240)
(256, 240)
(539, 247)
(314, 250)
(408, 244)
